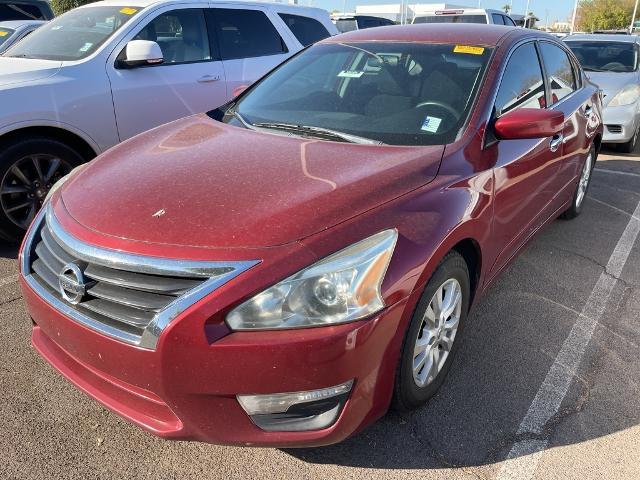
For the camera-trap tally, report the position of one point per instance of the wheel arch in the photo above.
(63, 135)
(469, 249)
(597, 142)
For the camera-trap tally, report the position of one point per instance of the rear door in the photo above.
(526, 171)
(250, 44)
(566, 95)
(191, 79)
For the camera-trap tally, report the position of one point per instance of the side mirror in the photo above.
(238, 90)
(529, 123)
(139, 53)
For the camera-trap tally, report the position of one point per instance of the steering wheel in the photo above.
(442, 105)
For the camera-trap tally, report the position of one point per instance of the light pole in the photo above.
(633, 17)
(526, 15)
(573, 18)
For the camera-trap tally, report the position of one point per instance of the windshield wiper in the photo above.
(318, 132)
(593, 69)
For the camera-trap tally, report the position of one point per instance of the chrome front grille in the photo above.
(128, 297)
(614, 128)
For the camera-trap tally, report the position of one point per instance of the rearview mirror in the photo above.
(529, 123)
(139, 53)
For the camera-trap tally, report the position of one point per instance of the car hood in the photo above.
(20, 70)
(197, 182)
(612, 82)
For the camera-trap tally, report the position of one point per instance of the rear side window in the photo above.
(497, 18)
(522, 85)
(508, 21)
(246, 34)
(306, 30)
(559, 71)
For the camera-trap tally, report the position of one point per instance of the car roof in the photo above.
(459, 33)
(14, 24)
(603, 37)
(148, 3)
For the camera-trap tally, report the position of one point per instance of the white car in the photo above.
(466, 15)
(105, 72)
(12, 31)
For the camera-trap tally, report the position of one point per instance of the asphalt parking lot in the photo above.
(548, 376)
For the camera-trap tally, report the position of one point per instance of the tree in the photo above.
(62, 6)
(506, 8)
(604, 14)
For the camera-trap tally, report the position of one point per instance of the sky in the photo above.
(560, 10)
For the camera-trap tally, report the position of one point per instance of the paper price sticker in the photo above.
(128, 11)
(3, 34)
(468, 49)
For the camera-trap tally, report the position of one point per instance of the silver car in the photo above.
(12, 31)
(611, 62)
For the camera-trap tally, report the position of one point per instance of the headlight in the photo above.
(626, 96)
(341, 288)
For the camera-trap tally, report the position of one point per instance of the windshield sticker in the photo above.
(431, 124)
(468, 49)
(3, 34)
(128, 11)
(350, 74)
(86, 47)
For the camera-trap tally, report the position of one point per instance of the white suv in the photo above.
(466, 15)
(107, 71)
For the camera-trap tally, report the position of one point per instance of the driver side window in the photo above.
(181, 34)
(522, 84)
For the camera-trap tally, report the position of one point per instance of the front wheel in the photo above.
(630, 146)
(28, 169)
(434, 334)
(583, 186)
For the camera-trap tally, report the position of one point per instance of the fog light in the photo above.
(296, 411)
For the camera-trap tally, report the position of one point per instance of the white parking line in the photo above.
(613, 207)
(604, 170)
(523, 458)
(8, 280)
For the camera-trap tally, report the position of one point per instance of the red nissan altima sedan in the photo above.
(282, 270)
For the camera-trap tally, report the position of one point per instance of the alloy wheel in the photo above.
(26, 185)
(437, 332)
(583, 183)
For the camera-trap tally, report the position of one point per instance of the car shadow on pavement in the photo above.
(509, 344)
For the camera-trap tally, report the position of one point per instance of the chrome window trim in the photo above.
(136, 263)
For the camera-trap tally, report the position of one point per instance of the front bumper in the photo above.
(620, 123)
(186, 388)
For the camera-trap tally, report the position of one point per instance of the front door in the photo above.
(191, 79)
(526, 171)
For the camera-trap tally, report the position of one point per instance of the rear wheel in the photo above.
(28, 170)
(583, 186)
(433, 336)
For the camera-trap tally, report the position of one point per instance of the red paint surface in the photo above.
(232, 194)
(525, 123)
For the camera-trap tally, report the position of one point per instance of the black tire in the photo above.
(630, 146)
(23, 154)
(408, 395)
(577, 202)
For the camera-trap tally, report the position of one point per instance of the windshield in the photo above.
(392, 93)
(606, 56)
(74, 35)
(346, 25)
(5, 33)
(451, 19)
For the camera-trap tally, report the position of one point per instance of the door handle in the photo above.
(209, 78)
(555, 142)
